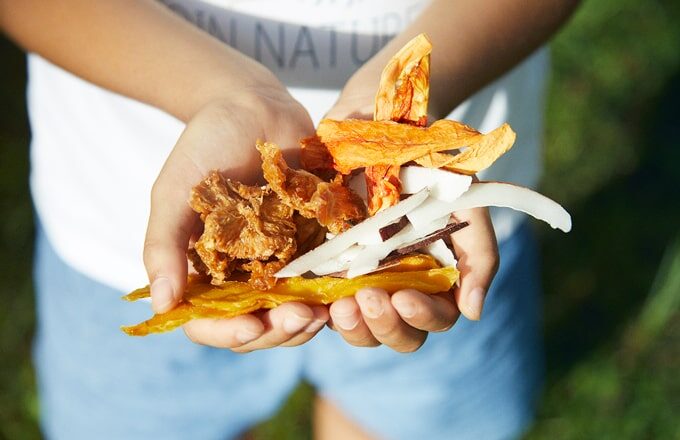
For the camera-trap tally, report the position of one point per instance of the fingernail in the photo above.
(475, 302)
(405, 308)
(245, 336)
(162, 295)
(294, 323)
(370, 304)
(315, 325)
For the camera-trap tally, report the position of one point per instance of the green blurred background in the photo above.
(612, 300)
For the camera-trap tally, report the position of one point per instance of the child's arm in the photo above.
(475, 41)
(137, 48)
(140, 49)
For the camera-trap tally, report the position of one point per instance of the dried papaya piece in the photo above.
(402, 96)
(477, 156)
(383, 187)
(404, 86)
(356, 143)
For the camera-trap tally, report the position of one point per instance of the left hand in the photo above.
(403, 321)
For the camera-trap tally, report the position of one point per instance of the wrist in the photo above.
(236, 79)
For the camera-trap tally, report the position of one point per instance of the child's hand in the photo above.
(402, 321)
(222, 136)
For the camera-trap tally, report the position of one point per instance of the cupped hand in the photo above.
(403, 320)
(222, 135)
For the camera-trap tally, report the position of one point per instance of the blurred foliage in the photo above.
(18, 400)
(612, 286)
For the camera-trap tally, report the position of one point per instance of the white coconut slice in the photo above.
(441, 252)
(496, 194)
(444, 185)
(339, 263)
(370, 257)
(353, 235)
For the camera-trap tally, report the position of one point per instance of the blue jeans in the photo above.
(479, 380)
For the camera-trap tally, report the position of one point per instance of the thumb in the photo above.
(477, 253)
(171, 223)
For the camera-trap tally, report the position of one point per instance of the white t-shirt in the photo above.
(95, 154)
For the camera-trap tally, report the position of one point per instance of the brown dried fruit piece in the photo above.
(240, 222)
(315, 158)
(332, 204)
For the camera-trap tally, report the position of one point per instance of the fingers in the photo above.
(431, 313)
(346, 319)
(288, 325)
(370, 319)
(321, 317)
(224, 333)
(477, 253)
(171, 224)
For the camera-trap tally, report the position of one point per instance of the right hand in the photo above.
(222, 135)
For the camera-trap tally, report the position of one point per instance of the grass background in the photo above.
(612, 301)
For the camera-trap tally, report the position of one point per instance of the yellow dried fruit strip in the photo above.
(235, 298)
(326, 290)
(181, 314)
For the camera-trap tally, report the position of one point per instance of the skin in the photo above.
(228, 101)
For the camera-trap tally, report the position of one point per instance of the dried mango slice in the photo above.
(233, 298)
(476, 157)
(358, 143)
(412, 262)
(325, 290)
(181, 314)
